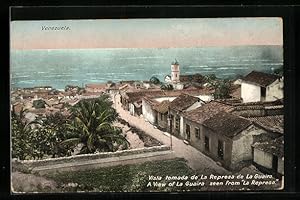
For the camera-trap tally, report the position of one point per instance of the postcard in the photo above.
(147, 105)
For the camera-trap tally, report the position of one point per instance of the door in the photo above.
(206, 143)
(221, 149)
(188, 132)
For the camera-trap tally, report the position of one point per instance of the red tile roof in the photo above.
(260, 78)
(227, 124)
(96, 85)
(238, 102)
(139, 94)
(206, 111)
(162, 107)
(183, 101)
(270, 123)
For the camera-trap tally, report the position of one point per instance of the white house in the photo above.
(182, 103)
(259, 86)
(178, 104)
(269, 155)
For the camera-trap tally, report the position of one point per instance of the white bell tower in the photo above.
(175, 72)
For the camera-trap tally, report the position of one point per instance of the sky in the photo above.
(146, 33)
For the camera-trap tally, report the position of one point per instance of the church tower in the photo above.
(175, 72)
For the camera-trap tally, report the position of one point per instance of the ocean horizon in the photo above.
(61, 67)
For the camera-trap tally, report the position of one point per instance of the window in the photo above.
(161, 116)
(188, 131)
(206, 143)
(177, 121)
(220, 149)
(263, 92)
(197, 133)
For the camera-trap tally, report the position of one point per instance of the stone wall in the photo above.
(97, 159)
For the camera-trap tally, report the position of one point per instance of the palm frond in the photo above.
(103, 125)
(72, 141)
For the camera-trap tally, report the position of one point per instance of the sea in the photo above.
(61, 67)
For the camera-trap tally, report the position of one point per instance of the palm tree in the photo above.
(92, 124)
(20, 132)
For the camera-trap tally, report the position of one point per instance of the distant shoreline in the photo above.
(112, 48)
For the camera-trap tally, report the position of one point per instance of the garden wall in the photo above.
(92, 161)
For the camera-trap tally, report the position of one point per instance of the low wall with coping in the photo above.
(97, 160)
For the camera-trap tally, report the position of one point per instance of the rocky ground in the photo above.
(22, 182)
(132, 138)
(135, 136)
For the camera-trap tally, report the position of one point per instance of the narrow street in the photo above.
(196, 160)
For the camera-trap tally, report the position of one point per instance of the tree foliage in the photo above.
(222, 89)
(56, 135)
(92, 123)
(20, 135)
(279, 71)
(166, 87)
(51, 132)
(39, 104)
(154, 80)
(40, 138)
(210, 78)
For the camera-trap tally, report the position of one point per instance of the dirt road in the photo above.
(195, 158)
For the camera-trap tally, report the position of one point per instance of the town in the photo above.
(232, 122)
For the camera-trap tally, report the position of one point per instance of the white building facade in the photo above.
(258, 86)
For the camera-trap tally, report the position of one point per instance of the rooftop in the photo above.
(183, 101)
(238, 102)
(192, 78)
(275, 147)
(270, 123)
(227, 124)
(47, 86)
(206, 111)
(260, 78)
(162, 107)
(137, 95)
(96, 85)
